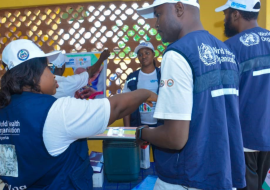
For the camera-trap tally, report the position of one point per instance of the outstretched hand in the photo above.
(153, 98)
(105, 54)
(85, 94)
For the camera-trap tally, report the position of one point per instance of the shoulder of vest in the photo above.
(158, 70)
(30, 98)
(232, 40)
(177, 50)
(49, 97)
(42, 97)
(134, 74)
(186, 58)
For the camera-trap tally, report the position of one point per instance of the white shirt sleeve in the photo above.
(70, 119)
(175, 99)
(126, 89)
(69, 85)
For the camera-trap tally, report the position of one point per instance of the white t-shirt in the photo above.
(250, 150)
(149, 82)
(70, 119)
(161, 185)
(69, 85)
(175, 98)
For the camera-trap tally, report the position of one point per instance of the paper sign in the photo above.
(80, 62)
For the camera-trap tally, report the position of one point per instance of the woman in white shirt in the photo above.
(147, 77)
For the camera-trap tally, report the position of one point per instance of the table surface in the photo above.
(116, 133)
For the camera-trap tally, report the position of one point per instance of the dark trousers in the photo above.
(257, 166)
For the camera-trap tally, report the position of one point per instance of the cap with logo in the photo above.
(20, 51)
(148, 11)
(59, 61)
(243, 5)
(144, 45)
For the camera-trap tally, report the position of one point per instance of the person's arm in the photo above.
(125, 104)
(174, 105)
(172, 135)
(70, 84)
(93, 69)
(126, 120)
(77, 119)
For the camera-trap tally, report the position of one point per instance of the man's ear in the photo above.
(179, 8)
(235, 15)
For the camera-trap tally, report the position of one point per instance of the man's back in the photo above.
(252, 49)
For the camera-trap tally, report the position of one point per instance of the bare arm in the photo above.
(93, 69)
(125, 104)
(172, 135)
(127, 121)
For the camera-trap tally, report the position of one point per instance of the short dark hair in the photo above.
(248, 16)
(25, 74)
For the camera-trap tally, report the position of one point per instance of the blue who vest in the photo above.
(213, 157)
(135, 117)
(26, 160)
(252, 50)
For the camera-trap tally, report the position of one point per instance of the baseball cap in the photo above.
(148, 12)
(59, 61)
(243, 5)
(144, 45)
(20, 51)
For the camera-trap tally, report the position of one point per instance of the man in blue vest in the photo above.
(200, 143)
(251, 45)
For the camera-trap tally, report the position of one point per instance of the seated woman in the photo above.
(148, 77)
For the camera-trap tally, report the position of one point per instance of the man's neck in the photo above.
(191, 27)
(246, 25)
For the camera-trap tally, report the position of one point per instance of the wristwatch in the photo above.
(140, 132)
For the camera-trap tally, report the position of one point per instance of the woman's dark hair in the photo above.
(26, 74)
